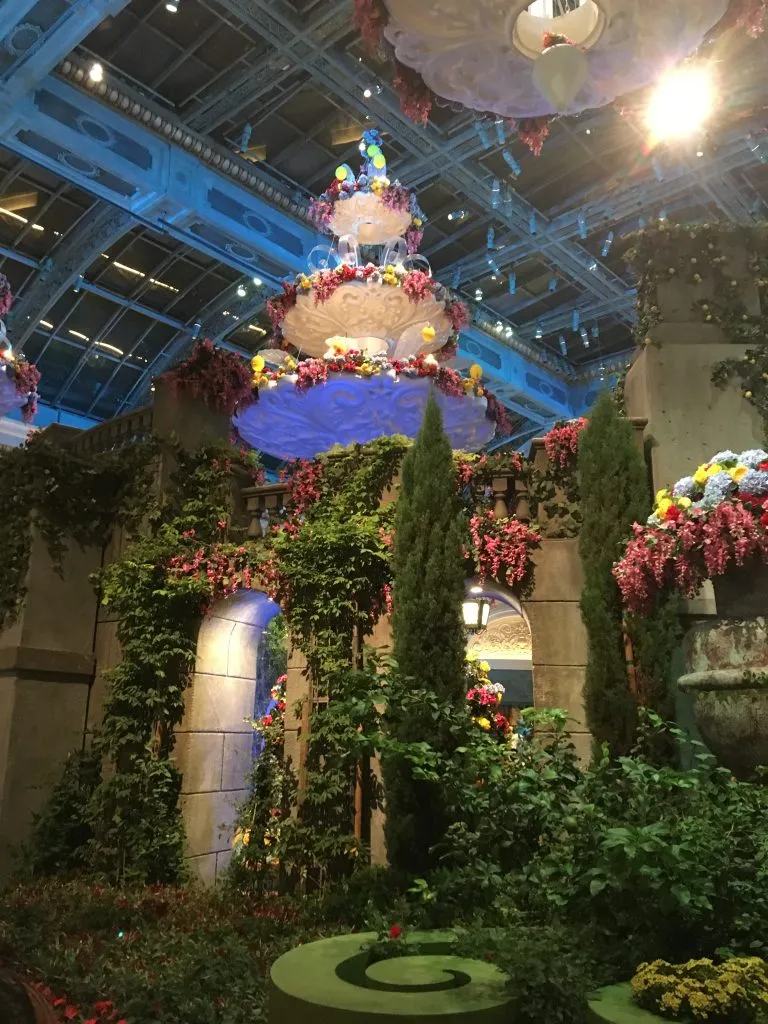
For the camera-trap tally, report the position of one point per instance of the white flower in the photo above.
(685, 488)
(723, 458)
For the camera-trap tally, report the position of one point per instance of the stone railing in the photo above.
(262, 503)
(112, 435)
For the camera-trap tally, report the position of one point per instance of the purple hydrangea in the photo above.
(717, 489)
(752, 458)
(685, 488)
(754, 481)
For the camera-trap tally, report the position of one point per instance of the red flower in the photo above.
(395, 931)
(104, 1006)
(71, 1012)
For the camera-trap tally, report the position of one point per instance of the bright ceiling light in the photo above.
(172, 6)
(681, 104)
(241, 291)
(258, 282)
(96, 72)
(367, 93)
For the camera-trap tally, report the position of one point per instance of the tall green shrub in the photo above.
(614, 495)
(428, 636)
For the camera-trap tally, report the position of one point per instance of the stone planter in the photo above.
(727, 671)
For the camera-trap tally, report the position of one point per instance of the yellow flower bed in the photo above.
(735, 992)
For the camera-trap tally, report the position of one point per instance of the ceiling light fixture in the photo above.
(681, 104)
(367, 93)
(172, 6)
(241, 291)
(258, 282)
(96, 72)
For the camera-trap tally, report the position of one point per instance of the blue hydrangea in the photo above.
(685, 488)
(752, 458)
(724, 457)
(754, 481)
(363, 181)
(717, 488)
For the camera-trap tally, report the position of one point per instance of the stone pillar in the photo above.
(214, 743)
(46, 672)
(558, 636)
(689, 419)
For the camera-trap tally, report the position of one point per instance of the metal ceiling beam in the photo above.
(343, 77)
(98, 229)
(39, 35)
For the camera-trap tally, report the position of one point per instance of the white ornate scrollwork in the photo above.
(475, 53)
(376, 317)
(365, 215)
(291, 424)
(507, 637)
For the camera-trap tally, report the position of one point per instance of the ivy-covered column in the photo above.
(699, 303)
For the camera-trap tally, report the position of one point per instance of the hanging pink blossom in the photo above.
(503, 549)
(6, 296)
(562, 442)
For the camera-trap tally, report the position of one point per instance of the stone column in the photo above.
(46, 672)
(558, 636)
(689, 419)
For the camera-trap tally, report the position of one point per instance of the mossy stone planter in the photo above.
(727, 663)
(334, 982)
(614, 1005)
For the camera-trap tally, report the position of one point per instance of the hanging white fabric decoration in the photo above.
(560, 74)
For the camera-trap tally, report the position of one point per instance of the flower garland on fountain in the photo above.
(18, 378)
(707, 523)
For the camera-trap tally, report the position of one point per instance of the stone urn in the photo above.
(727, 671)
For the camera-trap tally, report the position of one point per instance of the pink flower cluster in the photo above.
(305, 479)
(682, 554)
(414, 95)
(562, 442)
(222, 379)
(458, 314)
(6, 295)
(225, 569)
(418, 285)
(68, 1013)
(504, 550)
(368, 18)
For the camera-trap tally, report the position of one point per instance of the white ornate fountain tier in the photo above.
(360, 312)
(10, 399)
(480, 54)
(291, 424)
(367, 217)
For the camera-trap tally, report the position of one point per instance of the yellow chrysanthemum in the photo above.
(684, 502)
(417, 222)
(714, 468)
(701, 476)
(472, 655)
(475, 371)
(739, 473)
(484, 723)
(661, 495)
(663, 507)
(257, 364)
(484, 666)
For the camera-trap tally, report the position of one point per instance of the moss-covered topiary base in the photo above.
(614, 1005)
(334, 982)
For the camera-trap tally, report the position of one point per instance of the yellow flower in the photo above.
(468, 384)
(738, 473)
(663, 507)
(701, 476)
(475, 371)
(257, 364)
(472, 655)
(305, 282)
(714, 468)
(484, 666)
(484, 723)
(417, 222)
(289, 363)
(661, 495)
(388, 278)
(428, 333)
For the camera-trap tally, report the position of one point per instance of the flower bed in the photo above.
(709, 522)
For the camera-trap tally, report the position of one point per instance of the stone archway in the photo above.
(214, 742)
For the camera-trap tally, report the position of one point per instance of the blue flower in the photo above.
(754, 481)
(717, 489)
(752, 458)
(723, 458)
(685, 488)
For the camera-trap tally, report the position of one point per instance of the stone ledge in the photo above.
(42, 663)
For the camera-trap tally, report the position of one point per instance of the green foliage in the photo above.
(428, 640)
(614, 494)
(277, 645)
(61, 831)
(197, 955)
(72, 498)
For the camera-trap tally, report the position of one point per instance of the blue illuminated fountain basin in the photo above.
(291, 424)
(10, 398)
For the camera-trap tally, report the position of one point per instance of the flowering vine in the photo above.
(503, 550)
(220, 378)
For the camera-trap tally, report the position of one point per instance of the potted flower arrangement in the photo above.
(484, 698)
(713, 525)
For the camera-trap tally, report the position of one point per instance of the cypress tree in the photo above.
(614, 494)
(428, 635)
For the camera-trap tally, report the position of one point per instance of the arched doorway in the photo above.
(214, 743)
